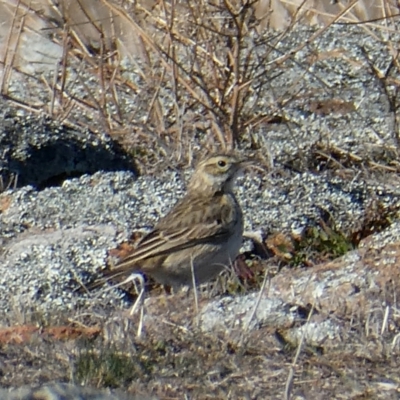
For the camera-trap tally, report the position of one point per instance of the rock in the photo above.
(62, 391)
(41, 152)
(362, 281)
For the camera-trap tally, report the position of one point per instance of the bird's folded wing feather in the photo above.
(159, 243)
(175, 233)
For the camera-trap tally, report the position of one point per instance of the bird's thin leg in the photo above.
(196, 297)
(130, 278)
(139, 301)
(140, 326)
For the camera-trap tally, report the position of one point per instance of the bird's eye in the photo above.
(221, 163)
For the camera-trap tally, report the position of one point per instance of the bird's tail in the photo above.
(108, 275)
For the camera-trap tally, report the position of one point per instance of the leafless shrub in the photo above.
(199, 73)
(11, 182)
(219, 65)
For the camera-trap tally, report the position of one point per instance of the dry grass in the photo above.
(200, 72)
(175, 359)
(10, 184)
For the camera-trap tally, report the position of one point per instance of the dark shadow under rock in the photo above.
(41, 152)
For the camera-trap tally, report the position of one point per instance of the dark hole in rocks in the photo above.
(52, 164)
(58, 180)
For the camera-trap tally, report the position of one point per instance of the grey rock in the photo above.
(40, 152)
(332, 292)
(56, 239)
(62, 391)
(95, 213)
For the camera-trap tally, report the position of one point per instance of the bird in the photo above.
(201, 235)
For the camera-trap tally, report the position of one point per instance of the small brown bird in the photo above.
(202, 232)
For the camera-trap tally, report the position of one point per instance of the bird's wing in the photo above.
(181, 229)
(160, 243)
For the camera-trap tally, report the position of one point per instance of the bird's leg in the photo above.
(195, 293)
(139, 301)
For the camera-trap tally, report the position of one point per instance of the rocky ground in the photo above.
(323, 222)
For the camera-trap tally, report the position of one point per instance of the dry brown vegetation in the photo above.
(200, 72)
(174, 358)
(200, 76)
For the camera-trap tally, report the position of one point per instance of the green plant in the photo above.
(108, 367)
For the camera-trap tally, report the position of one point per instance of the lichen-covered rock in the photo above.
(40, 152)
(62, 391)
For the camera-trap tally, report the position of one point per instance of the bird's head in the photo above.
(217, 173)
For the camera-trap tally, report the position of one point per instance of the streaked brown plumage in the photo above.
(205, 227)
